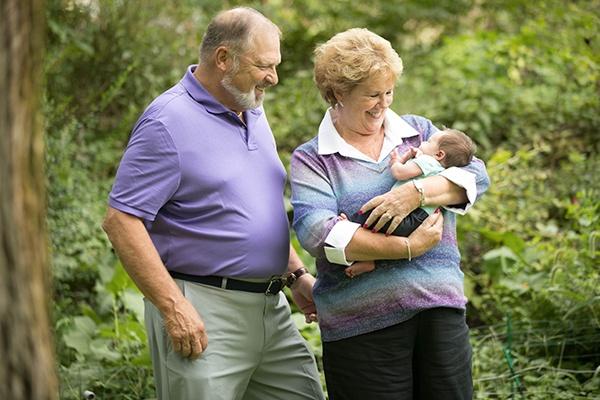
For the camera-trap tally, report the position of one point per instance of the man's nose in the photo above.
(272, 78)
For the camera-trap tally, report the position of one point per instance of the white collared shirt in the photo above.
(394, 127)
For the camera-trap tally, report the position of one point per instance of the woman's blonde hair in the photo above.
(351, 57)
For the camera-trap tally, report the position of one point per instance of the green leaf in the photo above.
(101, 350)
(299, 320)
(120, 280)
(133, 300)
(501, 252)
(495, 261)
(80, 335)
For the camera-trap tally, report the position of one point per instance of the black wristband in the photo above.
(293, 276)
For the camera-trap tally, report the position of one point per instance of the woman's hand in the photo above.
(427, 235)
(394, 205)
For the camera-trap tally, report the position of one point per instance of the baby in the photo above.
(444, 149)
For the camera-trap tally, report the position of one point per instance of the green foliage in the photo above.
(104, 348)
(514, 87)
(106, 59)
(76, 204)
(533, 256)
(297, 113)
(520, 77)
(534, 377)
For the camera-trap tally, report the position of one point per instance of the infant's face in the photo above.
(431, 146)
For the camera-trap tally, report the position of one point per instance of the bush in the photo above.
(532, 259)
(537, 83)
(108, 59)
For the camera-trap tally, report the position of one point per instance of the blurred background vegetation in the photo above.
(520, 77)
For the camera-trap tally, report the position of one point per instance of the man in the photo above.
(197, 217)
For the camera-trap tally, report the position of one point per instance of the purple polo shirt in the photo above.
(208, 188)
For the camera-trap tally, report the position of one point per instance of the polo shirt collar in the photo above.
(395, 129)
(202, 96)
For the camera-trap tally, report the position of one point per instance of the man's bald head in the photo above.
(234, 29)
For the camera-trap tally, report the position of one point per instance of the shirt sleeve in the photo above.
(428, 164)
(473, 178)
(149, 172)
(316, 209)
(465, 180)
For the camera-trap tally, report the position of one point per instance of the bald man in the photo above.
(197, 217)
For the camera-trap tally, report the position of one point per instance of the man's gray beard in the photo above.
(244, 100)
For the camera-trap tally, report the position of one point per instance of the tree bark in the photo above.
(27, 369)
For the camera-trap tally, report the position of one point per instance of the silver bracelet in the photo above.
(408, 248)
(419, 186)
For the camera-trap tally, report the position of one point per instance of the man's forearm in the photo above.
(141, 259)
(294, 261)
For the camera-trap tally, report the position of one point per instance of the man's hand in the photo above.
(142, 262)
(302, 295)
(186, 329)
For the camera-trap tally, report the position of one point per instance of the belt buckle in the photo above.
(275, 285)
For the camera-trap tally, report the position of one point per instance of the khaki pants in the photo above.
(254, 350)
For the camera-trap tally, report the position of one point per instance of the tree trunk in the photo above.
(27, 369)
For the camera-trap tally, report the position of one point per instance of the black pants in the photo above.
(406, 227)
(425, 358)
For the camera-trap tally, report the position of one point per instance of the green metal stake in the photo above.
(516, 382)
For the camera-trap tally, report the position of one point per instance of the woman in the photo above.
(397, 332)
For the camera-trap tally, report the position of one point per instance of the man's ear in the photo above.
(222, 57)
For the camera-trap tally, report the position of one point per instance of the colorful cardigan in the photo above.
(325, 185)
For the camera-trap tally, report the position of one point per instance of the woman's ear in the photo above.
(338, 97)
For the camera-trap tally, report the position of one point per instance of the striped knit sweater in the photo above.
(323, 186)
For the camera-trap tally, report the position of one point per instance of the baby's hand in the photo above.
(342, 217)
(394, 157)
(397, 158)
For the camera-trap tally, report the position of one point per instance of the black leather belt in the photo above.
(272, 287)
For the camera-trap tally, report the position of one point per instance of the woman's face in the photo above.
(363, 109)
